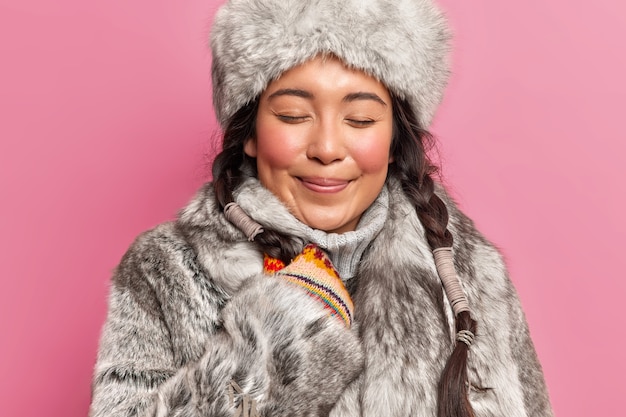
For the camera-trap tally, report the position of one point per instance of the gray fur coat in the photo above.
(195, 328)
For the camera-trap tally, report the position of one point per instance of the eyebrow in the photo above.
(307, 95)
(364, 96)
(291, 92)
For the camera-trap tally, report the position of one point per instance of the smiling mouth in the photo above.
(324, 185)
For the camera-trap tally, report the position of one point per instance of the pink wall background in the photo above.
(106, 121)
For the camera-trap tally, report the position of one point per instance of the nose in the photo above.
(326, 143)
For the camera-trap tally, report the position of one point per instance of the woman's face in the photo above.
(323, 136)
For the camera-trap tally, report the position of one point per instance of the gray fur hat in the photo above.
(402, 43)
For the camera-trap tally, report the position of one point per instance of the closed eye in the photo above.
(360, 122)
(291, 119)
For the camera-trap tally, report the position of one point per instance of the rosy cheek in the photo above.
(276, 148)
(372, 153)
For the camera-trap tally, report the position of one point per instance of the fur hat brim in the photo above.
(402, 43)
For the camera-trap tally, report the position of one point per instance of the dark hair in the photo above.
(414, 169)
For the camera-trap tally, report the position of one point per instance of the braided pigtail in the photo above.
(228, 175)
(413, 168)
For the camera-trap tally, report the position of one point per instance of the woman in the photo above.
(306, 279)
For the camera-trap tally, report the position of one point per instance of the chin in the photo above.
(332, 226)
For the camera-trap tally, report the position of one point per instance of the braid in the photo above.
(413, 168)
(228, 175)
(453, 386)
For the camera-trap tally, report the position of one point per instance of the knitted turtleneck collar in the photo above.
(344, 249)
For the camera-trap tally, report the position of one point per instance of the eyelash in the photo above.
(360, 123)
(291, 119)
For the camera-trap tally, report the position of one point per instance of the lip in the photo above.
(324, 185)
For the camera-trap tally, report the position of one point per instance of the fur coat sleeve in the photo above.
(194, 323)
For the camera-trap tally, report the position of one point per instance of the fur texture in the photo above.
(402, 43)
(190, 311)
